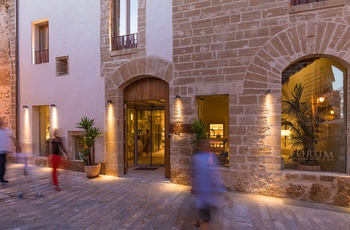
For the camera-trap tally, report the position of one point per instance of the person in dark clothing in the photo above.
(6, 141)
(146, 139)
(57, 148)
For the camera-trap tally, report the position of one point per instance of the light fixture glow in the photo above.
(321, 99)
(25, 107)
(285, 132)
(268, 91)
(177, 97)
(53, 105)
(109, 102)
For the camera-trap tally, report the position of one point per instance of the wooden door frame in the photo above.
(149, 89)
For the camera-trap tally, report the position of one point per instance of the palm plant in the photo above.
(88, 139)
(303, 119)
(199, 128)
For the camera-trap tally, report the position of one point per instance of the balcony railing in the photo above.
(41, 56)
(124, 42)
(300, 2)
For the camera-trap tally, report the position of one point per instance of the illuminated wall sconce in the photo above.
(109, 102)
(268, 91)
(25, 107)
(177, 97)
(53, 105)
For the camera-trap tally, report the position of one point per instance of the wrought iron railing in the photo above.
(299, 2)
(41, 56)
(124, 42)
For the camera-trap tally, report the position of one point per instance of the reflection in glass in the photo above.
(313, 114)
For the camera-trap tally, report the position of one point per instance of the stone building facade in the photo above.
(241, 48)
(8, 75)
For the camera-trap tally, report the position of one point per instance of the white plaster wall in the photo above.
(74, 30)
(159, 29)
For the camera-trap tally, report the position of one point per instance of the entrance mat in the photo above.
(146, 168)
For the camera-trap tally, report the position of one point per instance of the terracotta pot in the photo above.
(92, 171)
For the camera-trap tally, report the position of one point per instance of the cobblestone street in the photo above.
(143, 200)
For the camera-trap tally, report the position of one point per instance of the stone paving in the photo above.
(143, 200)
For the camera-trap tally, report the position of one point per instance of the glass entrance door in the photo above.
(145, 136)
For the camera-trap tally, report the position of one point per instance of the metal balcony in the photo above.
(41, 56)
(124, 42)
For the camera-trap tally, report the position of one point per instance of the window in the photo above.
(125, 24)
(78, 147)
(62, 67)
(313, 135)
(299, 2)
(74, 144)
(213, 110)
(41, 42)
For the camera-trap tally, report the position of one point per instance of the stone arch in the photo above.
(309, 39)
(304, 40)
(145, 66)
(115, 84)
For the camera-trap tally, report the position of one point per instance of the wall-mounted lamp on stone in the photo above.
(268, 91)
(109, 102)
(25, 107)
(177, 97)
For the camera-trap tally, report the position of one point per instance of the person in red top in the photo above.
(55, 157)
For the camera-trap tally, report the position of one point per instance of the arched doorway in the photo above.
(313, 135)
(146, 124)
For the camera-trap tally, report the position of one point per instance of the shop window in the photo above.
(313, 135)
(213, 110)
(40, 45)
(125, 24)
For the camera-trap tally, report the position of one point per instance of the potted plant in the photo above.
(199, 128)
(88, 142)
(303, 119)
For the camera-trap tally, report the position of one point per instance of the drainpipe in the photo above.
(17, 73)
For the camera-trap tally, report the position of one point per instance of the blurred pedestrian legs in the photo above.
(26, 173)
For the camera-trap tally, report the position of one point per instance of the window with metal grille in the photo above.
(125, 24)
(300, 2)
(62, 66)
(41, 42)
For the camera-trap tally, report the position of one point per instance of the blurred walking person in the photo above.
(57, 148)
(28, 174)
(7, 140)
(208, 187)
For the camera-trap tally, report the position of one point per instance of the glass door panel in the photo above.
(130, 138)
(145, 136)
(151, 132)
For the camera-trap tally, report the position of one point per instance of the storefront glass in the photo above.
(313, 135)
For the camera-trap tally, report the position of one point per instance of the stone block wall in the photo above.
(241, 48)
(7, 62)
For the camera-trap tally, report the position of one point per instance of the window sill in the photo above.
(316, 6)
(314, 173)
(123, 52)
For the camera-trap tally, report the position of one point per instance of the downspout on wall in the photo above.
(17, 71)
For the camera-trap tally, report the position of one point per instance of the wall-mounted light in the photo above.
(268, 91)
(109, 102)
(25, 107)
(177, 97)
(53, 105)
